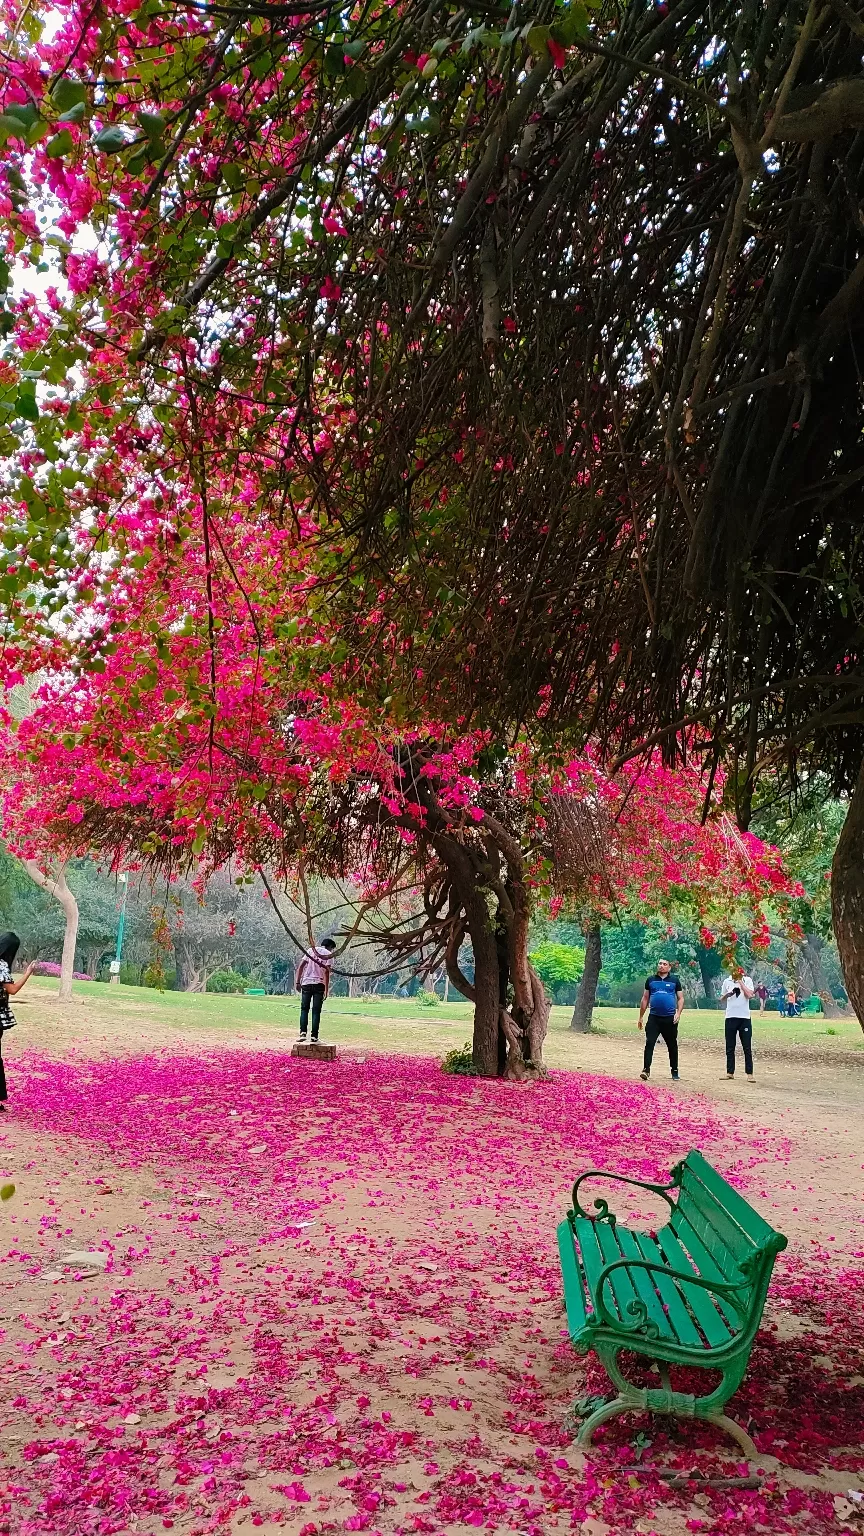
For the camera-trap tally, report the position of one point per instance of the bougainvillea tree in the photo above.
(205, 744)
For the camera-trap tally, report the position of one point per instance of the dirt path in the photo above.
(332, 1303)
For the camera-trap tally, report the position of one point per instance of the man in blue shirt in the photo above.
(664, 999)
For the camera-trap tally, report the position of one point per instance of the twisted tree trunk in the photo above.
(586, 997)
(508, 1036)
(847, 898)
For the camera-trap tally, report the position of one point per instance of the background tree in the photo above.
(559, 966)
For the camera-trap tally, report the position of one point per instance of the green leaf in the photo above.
(11, 127)
(7, 1191)
(537, 39)
(430, 124)
(354, 50)
(235, 176)
(334, 60)
(572, 24)
(26, 404)
(60, 144)
(261, 65)
(74, 115)
(153, 123)
(110, 140)
(25, 112)
(68, 93)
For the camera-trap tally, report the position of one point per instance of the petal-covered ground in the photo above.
(327, 1299)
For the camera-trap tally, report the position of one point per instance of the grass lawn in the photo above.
(407, 1026)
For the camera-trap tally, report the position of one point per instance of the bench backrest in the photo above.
(714, 1214)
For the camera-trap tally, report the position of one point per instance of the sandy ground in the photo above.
(801, 1123)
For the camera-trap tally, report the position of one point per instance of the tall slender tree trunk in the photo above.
(847, 898)
(811, 949)
(586, 997)
(57, 887)
(706, 970)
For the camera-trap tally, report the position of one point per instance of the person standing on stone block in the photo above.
(313, 979)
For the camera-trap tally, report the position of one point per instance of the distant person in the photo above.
(9, 946)
(793, 1009)
(736, 992)
(762, 994)
(664, 999)
(313, 979)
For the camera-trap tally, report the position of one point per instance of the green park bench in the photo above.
(689, 1294)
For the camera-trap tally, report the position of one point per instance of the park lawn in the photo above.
(407, 1026)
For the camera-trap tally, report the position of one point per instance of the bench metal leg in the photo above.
(723, 1421)
(600, 1415)
(679, 1405)
(618, 1405)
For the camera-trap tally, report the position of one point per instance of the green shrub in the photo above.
(227, 981)
(428, 999)
(558, 964)
(460, 1063)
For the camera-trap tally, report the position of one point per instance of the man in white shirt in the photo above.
(313, 979)
(737, 991)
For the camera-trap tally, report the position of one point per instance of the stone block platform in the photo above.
(316, 1052)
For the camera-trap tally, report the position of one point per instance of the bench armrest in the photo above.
(602, 1206)
(636, 1308)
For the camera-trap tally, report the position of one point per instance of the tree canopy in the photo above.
(425, 392)
(459, 292)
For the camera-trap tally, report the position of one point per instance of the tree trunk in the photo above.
(486, 994)
(586, 997)
(812, 948)
(57, 887)
(847, 898)
(191, 972)
(706, 970)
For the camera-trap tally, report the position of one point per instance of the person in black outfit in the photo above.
(664, 999)
(9, 946)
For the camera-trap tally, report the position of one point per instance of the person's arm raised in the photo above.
(11, 987)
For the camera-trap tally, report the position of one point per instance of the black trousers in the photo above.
(744, 1029)
(2, 1073)
(655, 1026)
(313, 994)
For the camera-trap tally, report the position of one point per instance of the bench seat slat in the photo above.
(574, 1291)
(645, 1284)
(679, 1317)
(591, 1255)
(755, 1226)
(620, 1284)
(720, 1233)
(714, 1327)
(706, 1265)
